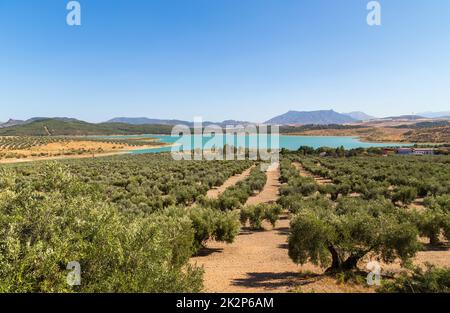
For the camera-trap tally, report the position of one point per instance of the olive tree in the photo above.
(435, 220)
(339, 237)
(56, 219)
(255, 214)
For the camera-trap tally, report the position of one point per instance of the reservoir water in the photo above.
(285, 141)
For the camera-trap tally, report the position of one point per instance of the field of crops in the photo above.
(31, 148)
(26, 142)
(391, 177)
(134, 221)
(146, 183)
(122, 218)
(362, 212)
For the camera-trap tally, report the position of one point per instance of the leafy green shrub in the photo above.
(435, 220)
(213, 224)
(431, 280)
(330, 189)
(405, 195)
(255, 214)
(272, 213)
(431, 223)
(235, 196)
(343, 235)
(296, 203)
(227, 226)
(49, 222)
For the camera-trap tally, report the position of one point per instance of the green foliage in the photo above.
(235, 196)
(430, 280)
(296, 204)
(435, 220)
(405, 195)
(309, 238)
(343, 235)
(57, 127)
(144, 184)
(401, 178)
(213, 224)
(438, 202)
(227, 226)
(49, 222)
(255, 214)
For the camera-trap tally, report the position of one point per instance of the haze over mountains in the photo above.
(360, 116)
(291, 117)
(435, 114)
(320, 117)
(13, 122)
(153, 121)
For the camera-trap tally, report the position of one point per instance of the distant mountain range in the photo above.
(322, 117)
(404, 117)
(145, 120)
(12, 122)
(73, 127)
(139, 125)
(153, 121)
(360, 116)
(444, 114)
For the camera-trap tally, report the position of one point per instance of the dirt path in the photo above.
(319, 180)
(271, 189)
(215, 192)
(257, 261)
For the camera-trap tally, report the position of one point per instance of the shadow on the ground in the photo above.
(270, 280)
(208, 251)
(248, 230)
(283, 230)
(267, 280)
(442, 246)
(245, 231)
(283, 246)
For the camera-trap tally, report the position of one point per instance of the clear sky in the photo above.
(222, 59)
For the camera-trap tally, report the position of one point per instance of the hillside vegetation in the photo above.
(55, 127)
(123, 219)
(431, 134)
(312, 117)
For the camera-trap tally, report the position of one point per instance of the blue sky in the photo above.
(222, 59)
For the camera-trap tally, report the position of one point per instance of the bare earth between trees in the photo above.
(436, 256)
(258, 261)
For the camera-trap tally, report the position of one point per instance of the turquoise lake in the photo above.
(287, 142)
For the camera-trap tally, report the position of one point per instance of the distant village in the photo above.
(410, 151)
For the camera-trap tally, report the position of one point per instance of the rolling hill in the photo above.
(404, 117)
(72, 127)
(360, 116)
(444, 114)
(146, 121)
(152, 121)
(11, 122)
(323, 117)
